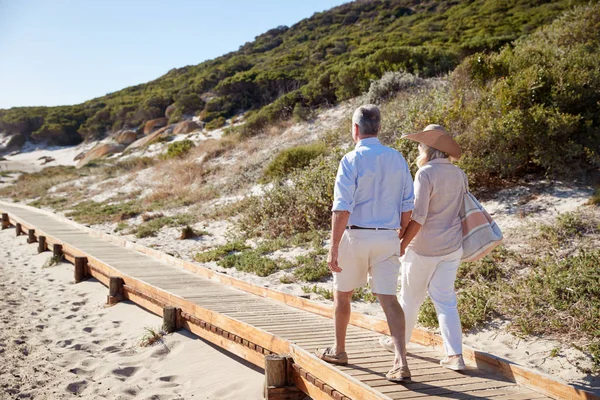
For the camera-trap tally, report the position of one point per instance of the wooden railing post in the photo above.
(31, 236)
(42, 244)
(80, 263)
(57, 251)
(170, 319)
(5, 221)
(18, 229)
(115, 290)
(278, 379)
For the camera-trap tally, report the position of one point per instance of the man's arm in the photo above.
(339, 221)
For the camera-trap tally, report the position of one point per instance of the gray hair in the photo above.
(427, 153)
(368, 119)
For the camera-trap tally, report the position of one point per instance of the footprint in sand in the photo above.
(111, 349)
(88, 329)
(64, 343)
(77, 387)
(126, 372)
(79, 303)
(71, 316)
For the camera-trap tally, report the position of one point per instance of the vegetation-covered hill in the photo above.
(321, 60)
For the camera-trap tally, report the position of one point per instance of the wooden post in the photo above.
(115, 290)
(57, 250)
(279, 380)
(18, 229)
(42, 244)
(170, 319)
(80, 263)
(5, 221)
(31, 238)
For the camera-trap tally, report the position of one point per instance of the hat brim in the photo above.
(438, 139)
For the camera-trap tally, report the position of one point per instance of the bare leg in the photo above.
(341, 316)
(395, 319)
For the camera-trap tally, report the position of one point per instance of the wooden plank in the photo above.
(327, 373)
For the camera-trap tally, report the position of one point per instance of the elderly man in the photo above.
(373, 201)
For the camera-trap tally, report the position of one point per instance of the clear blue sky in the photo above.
(55, 52)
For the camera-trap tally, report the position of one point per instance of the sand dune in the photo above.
(57, 339)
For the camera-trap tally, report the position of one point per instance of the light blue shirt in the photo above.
(374, 184)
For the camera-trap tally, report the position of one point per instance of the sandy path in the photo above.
(58, 340)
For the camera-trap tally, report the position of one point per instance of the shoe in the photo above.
(399, 375)
(387, 343)
(455, 364)
(327, 355)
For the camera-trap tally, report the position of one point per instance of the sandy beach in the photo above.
(58, 339)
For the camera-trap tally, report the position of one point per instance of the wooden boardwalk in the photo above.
(251, 324)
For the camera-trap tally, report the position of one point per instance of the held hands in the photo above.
(402, 248)
(332, 260)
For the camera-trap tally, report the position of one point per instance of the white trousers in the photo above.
(421, 274)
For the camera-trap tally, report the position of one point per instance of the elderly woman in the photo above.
(431, 244)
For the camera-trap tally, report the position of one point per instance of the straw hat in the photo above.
(436, 136)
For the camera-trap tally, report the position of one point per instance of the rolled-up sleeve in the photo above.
(408, 194)
(345, 186)
(422, 196)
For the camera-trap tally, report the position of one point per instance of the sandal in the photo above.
(399, 375)
(328, 356)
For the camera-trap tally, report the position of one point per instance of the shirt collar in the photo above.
(367, 141)
(439, 161)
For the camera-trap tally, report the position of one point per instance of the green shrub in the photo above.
(312, 268)
(293, 158)
(151, 227)
(326, 293)
(215, 123)
(302, 113)
(302, 206)
(221, 251)
(179, 149)
(253, 262)
(567, 226)
(558, 297)
(91, 212)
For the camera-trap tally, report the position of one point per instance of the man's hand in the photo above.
(401, 232)
(332, 260)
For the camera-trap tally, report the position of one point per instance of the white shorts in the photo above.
(368, 255)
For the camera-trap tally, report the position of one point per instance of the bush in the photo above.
(151, 227)
(179, 149)
(91, 212)
(215, 123)
(302, 113)
(293, 158)
(312, 268)
(221, 251)
(301, 206)
(253, 262)
(390, 84)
